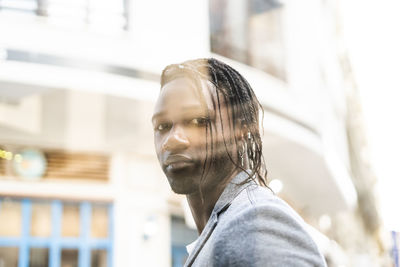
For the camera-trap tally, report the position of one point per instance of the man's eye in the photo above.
(199, 121)
(162, 126)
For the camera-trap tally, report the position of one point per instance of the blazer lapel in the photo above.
(228, 195)
(205, 234)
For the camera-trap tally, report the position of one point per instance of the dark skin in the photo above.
(182, 144)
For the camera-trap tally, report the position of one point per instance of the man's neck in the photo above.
(202, 206)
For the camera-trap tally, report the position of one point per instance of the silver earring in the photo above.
(241, 151)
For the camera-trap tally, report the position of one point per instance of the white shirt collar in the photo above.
(190, 247)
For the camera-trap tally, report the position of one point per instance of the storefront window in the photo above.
(8, 257)
(10, 218)
(55, 234)
(70, 220)
(39, 257)
(99, 220)
(69, 258)
(99, 258)
(41, 220)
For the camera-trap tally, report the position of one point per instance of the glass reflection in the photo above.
(41, 220)
(8, 257)
(39, 257)
(99, 221)
(99, 258)
(69, 258)
(10, 218)
(70, 220)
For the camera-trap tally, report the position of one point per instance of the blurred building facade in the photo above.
(80, 184)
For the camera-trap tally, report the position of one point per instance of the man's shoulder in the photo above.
(256, 198)
(262, 225)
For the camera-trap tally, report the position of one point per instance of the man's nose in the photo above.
(176, 140)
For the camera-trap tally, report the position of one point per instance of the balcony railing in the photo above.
(102, 13)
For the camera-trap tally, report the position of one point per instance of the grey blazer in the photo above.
(249, 226)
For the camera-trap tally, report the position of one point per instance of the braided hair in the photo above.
(243, 108)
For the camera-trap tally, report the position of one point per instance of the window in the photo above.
(8, 256)
(108, 14)
(25, 6)
(54, 233)
(251, 32)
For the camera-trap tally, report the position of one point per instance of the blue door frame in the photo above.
(84, 243)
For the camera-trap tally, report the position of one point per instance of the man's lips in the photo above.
(177, 161)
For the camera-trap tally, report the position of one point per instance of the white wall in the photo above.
(140, 208)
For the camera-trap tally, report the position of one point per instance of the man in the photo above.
(207, 139)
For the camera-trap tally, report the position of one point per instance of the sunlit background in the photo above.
(79, 181)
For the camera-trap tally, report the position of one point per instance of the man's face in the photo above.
(180, 137)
